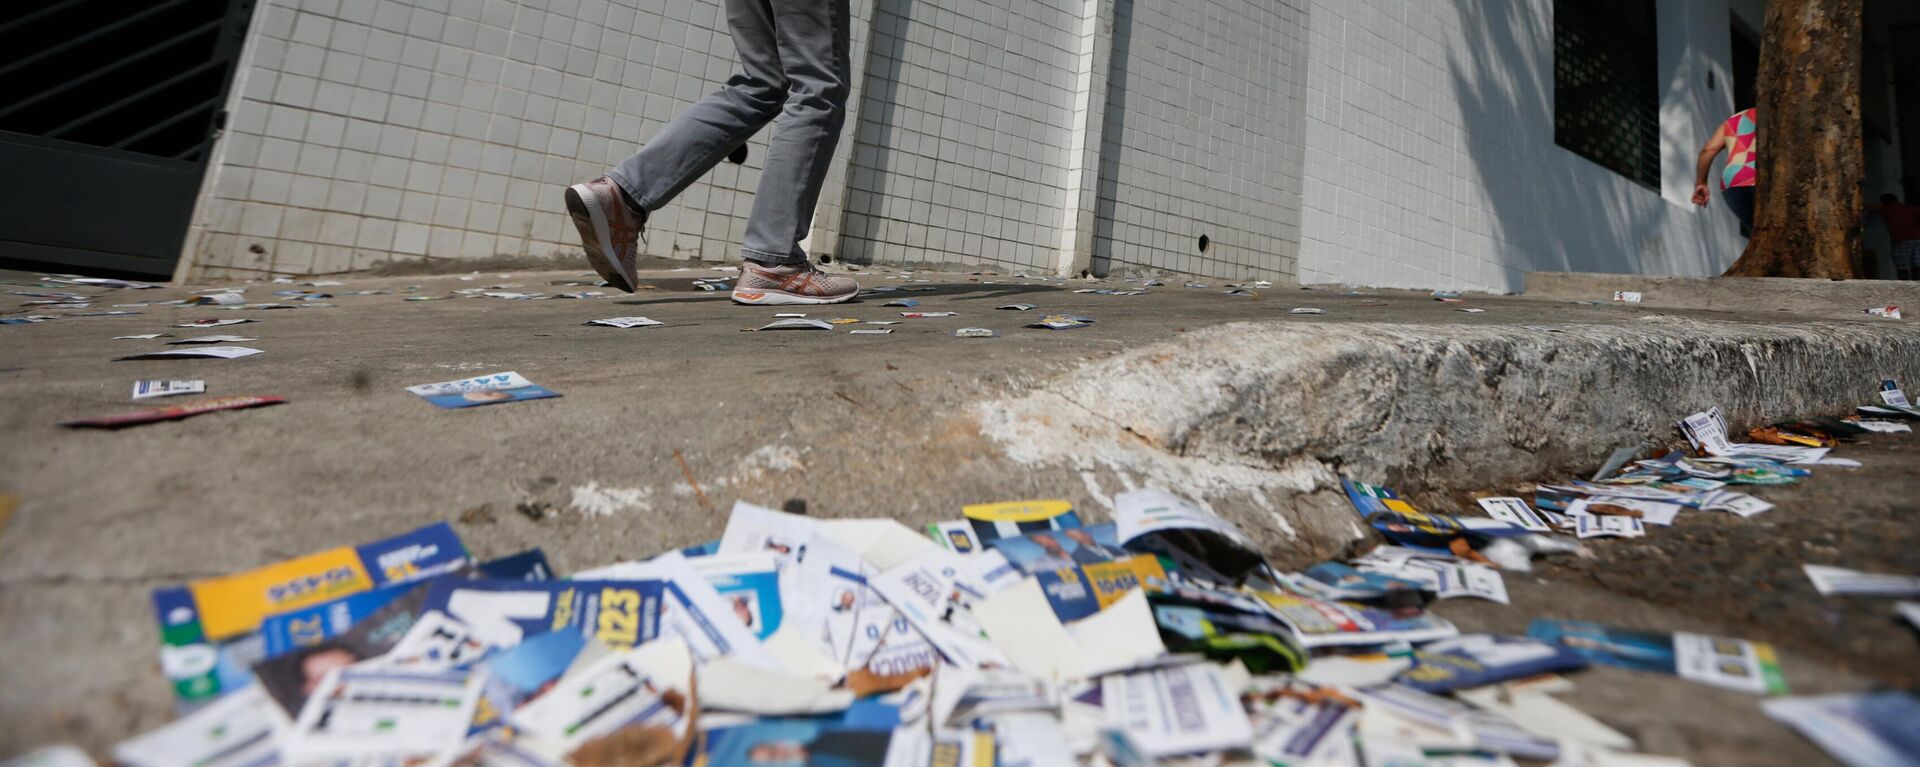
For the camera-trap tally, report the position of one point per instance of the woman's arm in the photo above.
(1704, 166)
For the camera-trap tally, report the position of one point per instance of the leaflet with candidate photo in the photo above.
(1734, 664)
(209, 628)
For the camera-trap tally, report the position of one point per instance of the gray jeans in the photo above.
(793, 58)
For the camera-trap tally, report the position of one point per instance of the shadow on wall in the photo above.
(1539, 207)
(1113, 131)
(1216, 258)
(879, 95)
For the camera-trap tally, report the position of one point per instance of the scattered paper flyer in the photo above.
(1734, 664)
(1173, 711)
(104, 282)
(625, 322)
(211, 323)
(645, 686)
(870, 331)
(150, 389)
(904, 303)
(1831, 581)
(974, 333)
(1478, 660)
(1650, 512)
(484, 390)
(1017, 307)
(237, 730)
(211, 340)
(142, 337)
(1061, 322)
(217, 299)
(923, 315)
(1909, 611)
(1515, 511)
(369, 712)
(209, 628)
(1306, 310)
(215, 352)
(1888, 312)
(172, 412)
(1590, 526)
(1859, 730)
(1627, 296)
(795, 323)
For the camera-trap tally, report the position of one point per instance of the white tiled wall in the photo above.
(961, 147)
(1431, 161)
(1202, 138)
(369, 130)
(1382, 142)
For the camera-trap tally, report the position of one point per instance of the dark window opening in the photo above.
(1746, 67)
(1606, 87)
(1205, 242)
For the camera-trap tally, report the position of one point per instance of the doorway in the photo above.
(108, 111)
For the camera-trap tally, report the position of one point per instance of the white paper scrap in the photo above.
(729, 685)
(1515, 511)
(618, 690)
(1150, 510)
(211, 323)
(1830, 581)
(1181, 710)
(1858, 730)
(1910, 611)
(363, 712)
(1739, 504)
(923, 591)
(1651, 512)
(1590, 526)
(1546, 716)
(436, 642)
(1123, 635)
(216, 339)
(1022, 624)
(240, 728)
(797, 324)
(625, 322)
(52, 756)
(220, 352)
(150, 389)
(142, 337)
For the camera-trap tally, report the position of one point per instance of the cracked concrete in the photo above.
(1231, 399)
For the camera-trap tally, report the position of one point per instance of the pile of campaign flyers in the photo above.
(1016, 633)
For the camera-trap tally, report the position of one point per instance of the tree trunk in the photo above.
(1807, 206)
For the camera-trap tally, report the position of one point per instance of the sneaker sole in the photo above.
(778, 298)
(584, 208)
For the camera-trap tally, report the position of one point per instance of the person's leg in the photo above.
(1904, 257)
(813, 46)
(1740, 201)
(704, 134)
(610, 211)
(813, 38)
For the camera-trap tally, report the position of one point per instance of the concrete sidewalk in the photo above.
(1230, 398)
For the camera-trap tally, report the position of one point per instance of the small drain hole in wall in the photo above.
(739, 156)
(1205, 242)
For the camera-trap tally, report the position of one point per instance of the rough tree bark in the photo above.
(1808, 206)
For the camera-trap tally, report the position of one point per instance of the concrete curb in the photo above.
(1827, 297)
(1259, 420)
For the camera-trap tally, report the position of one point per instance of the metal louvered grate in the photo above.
(1606, 86)
(139, 77)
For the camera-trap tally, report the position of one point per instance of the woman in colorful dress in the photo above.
(1739, 138)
